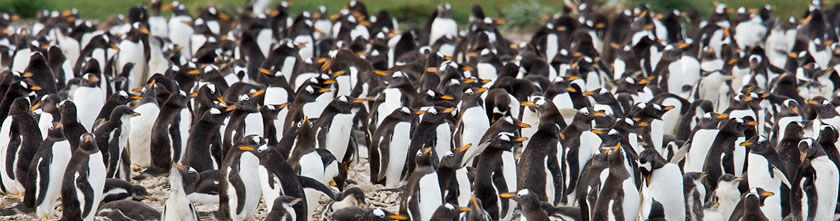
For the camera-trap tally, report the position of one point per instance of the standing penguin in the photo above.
(335, 126)
(489, 178)
(443, 24)
(132, 52)
(141, 127)
(539, 168)
(49, 164)
(814, 194)
(239, 183)
(619, 197)
(765, 170)
(89, 100)
(166, 141)
(472, 122)
(454, 179)
(423, 195)
(180, 27)
(113, 142)
(83, 182)
(23, 138)
(389, 148)
(200, 153)
(177, 206)
(661, 178)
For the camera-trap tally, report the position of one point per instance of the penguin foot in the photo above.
(16, 196)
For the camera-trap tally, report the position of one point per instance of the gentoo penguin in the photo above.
(765, 170)
(239, 183)
(399, 93)
(141, 126)
(20, 140)
(490, 179)
(335, 126)
(539, 168)
(389, 149)
(113, 142)
(282, 209)
(318, 164)
(119, 98)
(619, 196)
(83, 181)
(700, 141)
(158, 26)
(245, 119)
(177, 206)
(132, 52)
(695, 195)
(180, 27)
(423, 195)
(203, 136)
(726, 155)
(443, 24)
(116, 189)
(661, 177)
(454, 178)
(434, 131)
(89, 99)
(44, 186)
(128, 210)
(814, 191)
(278, 178)
(166, 140)
(472, 123)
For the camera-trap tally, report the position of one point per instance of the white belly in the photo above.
(444, 137)
(398, 149)
(61, 154)
(339, 135)
(430, 198)
(700, 145)
(141, 133)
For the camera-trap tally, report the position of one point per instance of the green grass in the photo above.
(520, 13)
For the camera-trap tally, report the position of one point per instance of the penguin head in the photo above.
(68, 112)
(139, 193)
(123, 113)
(729, 181)
(286, 203)
(19, 106)
(56, 130)
(828, 134)
(524, 197)
(179, 176)
(649, 160)
(87, 142)
(423, 157)
(448, 211)
(505, 141)
(758, 145)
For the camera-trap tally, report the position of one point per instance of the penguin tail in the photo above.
(10, 211)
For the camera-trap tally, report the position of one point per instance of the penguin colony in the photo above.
(633, 116)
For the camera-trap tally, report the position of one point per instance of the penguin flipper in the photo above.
(83, 186)
(238, 186)
(384, 157)
(307, 182)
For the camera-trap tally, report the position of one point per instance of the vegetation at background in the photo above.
(518, 13)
